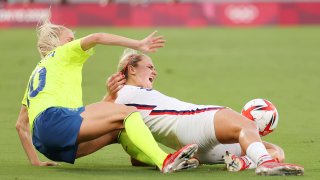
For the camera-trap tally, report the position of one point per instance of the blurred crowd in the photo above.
(105, 2)
(102, 2)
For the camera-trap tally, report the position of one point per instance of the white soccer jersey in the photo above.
(172, 122)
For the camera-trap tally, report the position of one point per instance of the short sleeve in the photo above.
(73, 53)
(24, 100)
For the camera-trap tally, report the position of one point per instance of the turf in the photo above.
(224, 66)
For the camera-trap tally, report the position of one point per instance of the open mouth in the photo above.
(151, 79)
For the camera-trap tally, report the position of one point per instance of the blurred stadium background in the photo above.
(223, 52)
(190, 13)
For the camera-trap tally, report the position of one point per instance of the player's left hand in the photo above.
(45, 163)
(114, 84)
(151, 43)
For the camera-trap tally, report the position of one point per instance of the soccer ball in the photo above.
(263, 113)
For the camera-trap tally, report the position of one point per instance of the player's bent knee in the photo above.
(249, 129)
(252, 126)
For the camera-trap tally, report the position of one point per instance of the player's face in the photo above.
(66, 36)
(145, 72)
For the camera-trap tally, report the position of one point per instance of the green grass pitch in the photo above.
(223, 66)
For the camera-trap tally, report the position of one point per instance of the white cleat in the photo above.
(273, 168)
(188, 164)
(234, 163)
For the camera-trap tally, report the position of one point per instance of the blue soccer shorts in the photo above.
(55, 133)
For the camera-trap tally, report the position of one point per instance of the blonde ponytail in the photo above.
(124, 59)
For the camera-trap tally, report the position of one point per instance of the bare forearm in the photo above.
(146, 45)
(25, 139)
(23, 130)
(108, 39)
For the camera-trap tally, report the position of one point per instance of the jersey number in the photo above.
(33, 92)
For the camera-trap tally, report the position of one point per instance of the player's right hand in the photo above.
(115, 83)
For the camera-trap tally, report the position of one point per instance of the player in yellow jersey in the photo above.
(61, 127)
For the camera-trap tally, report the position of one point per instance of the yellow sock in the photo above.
(133, 150)
(142, 138)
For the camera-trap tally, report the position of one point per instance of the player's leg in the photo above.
(231, 127)
(239, 161)
(142, 138)
(92, 146)
(102, 118)
(215, 155)
(135, 153)
(139, 158)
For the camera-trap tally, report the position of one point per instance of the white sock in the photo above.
(249, 162)
(258, 153)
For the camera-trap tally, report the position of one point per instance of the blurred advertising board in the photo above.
(164, 14)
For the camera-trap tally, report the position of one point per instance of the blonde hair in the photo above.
(129, 57)
(124, 58)
(48, 36)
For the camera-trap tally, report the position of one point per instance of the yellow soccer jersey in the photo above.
(56, 80)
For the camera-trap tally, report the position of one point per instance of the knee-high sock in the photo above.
(133, 150)
(142, 138)
(258, 153)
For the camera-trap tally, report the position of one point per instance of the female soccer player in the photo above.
(176, 123)
(62, 128)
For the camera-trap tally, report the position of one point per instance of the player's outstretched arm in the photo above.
(22, 127)
(113, 85)
(149, 44)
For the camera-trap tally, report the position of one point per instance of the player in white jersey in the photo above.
(171, 121)
(175, 123)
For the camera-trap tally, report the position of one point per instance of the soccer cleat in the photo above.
(273, 168)
(234, 163)
(188, 164)
(172, 161)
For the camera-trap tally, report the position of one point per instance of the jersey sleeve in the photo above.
(135, 95)
(122, 98)
(73, 53)
(125, 95)
(24, 100)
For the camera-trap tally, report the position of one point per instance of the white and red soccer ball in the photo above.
(264, 113)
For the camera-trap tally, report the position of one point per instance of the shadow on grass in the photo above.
(129, 171)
